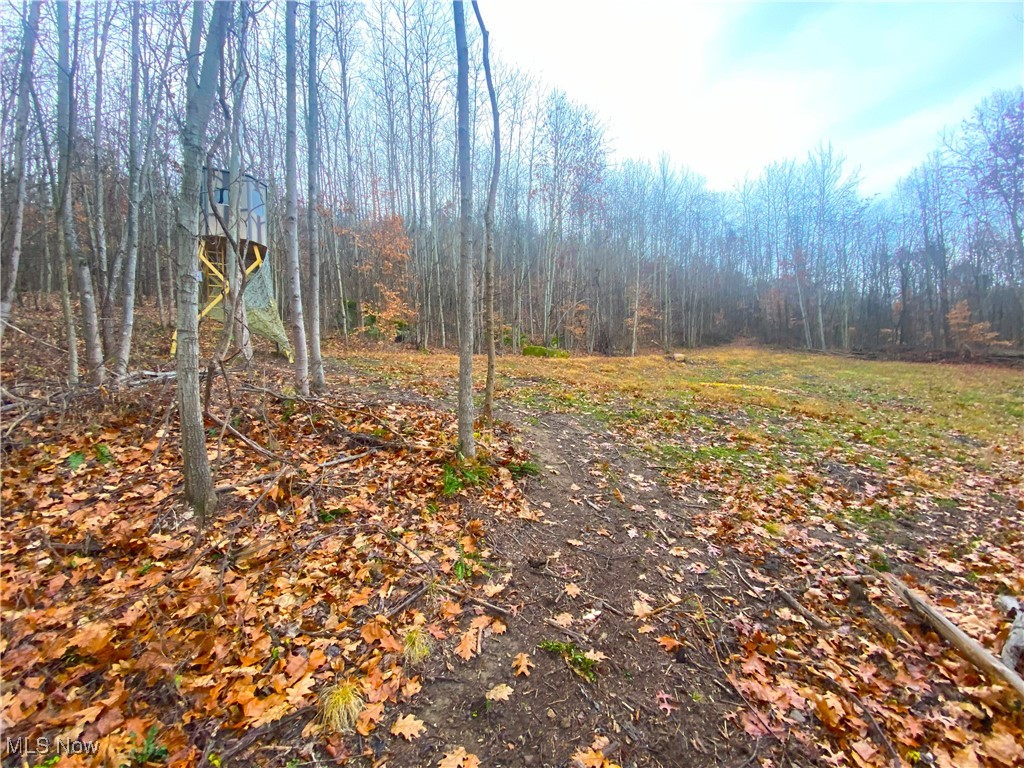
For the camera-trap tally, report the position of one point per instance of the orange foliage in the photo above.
(386, 246)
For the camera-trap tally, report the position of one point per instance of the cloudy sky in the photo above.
(727, 87)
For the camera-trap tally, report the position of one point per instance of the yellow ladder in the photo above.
(216, 278)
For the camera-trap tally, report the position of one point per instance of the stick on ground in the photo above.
(967, 647)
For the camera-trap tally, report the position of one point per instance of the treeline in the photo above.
(594, 253)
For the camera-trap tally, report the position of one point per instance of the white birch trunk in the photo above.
(134, 198)
(291, 216)
(467, 445)
(312, 204)
(65, 217)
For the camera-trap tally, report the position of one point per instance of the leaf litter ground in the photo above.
(660, 564)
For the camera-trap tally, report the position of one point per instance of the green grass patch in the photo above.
(876, 513)
(578, 662)
(330, 515)
(468, 564)
(533, 350)
(521, 469)
(456, 476)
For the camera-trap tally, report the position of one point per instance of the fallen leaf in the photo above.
(481, 622)
(591, 758)
(466, 649)
(572, 590)
(563, 620)
(668, 643)
(522, 664)
(408, 727)
(867, 751)
(459, 758)
(500, 692)
(642, 609)
(1005, 748)
(375, 631)
(666, 703)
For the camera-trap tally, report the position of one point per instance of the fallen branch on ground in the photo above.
(477, 600)
(570, 632)
(793, 603)
(254, 735)
(252, 444)
(967, 647)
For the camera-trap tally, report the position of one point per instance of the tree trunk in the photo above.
(68, 314)
(66, 223)
(28, 45)
(201, 89)
(636, 307)
(106, 278)
(467, 445)
(492, 195)
(234, 301)
(312, 204)
(349, 213)
(158, 277)
(71, 333)
(803, 310)
(291, 216)
(134, 198)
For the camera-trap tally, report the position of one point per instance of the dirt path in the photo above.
(612, 544)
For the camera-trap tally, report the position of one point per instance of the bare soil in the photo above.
(655, 707)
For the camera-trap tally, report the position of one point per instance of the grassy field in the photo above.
(706, 486)
(803, 470)
(743, 406)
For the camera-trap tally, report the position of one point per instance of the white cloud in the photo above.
(727, 88)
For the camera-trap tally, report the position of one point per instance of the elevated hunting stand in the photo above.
(251, 233)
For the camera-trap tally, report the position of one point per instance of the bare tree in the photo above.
(990, 149)
(107, 275)
(291, 216)
(492, 194)
(28, 44)
(235, 313)
(66, 128)
(313, 204)
(134, 201)
(576, 252)
(467, 445)
(70, 333)
(201, 88)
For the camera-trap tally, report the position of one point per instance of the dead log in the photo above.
(967, 647)
(1013, 648)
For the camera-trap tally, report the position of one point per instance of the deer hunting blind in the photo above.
(250, 233)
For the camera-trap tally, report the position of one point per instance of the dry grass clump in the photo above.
(340, 706)
(418, 645)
